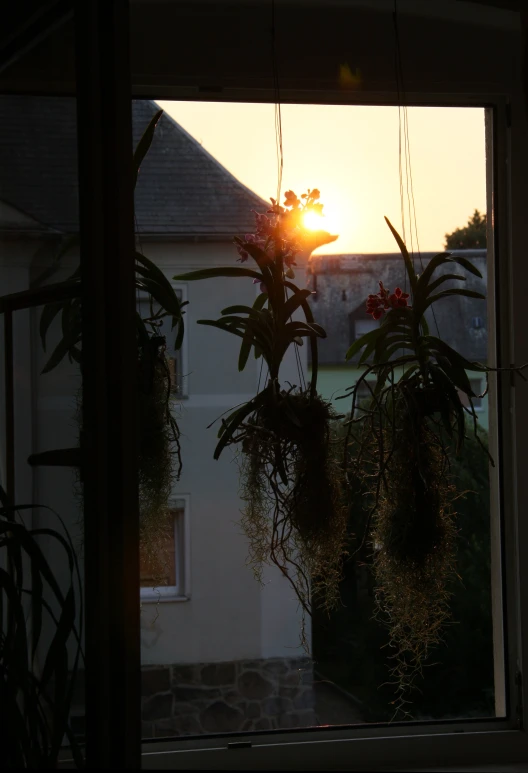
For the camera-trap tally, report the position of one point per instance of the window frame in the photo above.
(497, 740)
(181, 505)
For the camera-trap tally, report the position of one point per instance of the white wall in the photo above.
(228, 615)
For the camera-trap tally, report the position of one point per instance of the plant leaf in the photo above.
(440, 260)
(444, 278)
(144, 144)
(247, 341)
(49, 312)
(406, 257)
(456, 359)
(293, 303)
(446, 293)
(365, 339)
(215, 273)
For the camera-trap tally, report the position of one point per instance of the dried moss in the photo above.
(414, 543)
(295, 514)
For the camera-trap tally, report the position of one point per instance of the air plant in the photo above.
(399, 442)
(160, 461)
(294, 514)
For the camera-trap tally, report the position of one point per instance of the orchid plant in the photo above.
(399, 443)
(159, 461)
(294, 515)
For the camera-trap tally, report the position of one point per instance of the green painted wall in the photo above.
(333, 380)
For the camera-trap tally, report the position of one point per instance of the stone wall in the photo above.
(243, 695)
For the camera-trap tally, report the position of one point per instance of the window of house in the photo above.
(359, 327)
(164, 572)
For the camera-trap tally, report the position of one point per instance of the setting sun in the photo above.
(314, 222)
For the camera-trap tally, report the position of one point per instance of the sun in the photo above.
(314, 222)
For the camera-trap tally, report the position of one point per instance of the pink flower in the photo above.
(382, 301)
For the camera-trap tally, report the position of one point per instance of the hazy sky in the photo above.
(351, 155)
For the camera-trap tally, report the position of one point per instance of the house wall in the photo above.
(229, 616)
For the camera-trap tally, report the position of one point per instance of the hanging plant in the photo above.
(159, 454)
(398, 445)
(291, 482)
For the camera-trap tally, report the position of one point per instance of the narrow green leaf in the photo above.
(304, 328)
(365, 339)
(295, 302)
(440, 260)
(36, 606)
(447, 293)
(144, 144)
(179, 336)
(235, 419)
(157, 276)
(215, 273)
(456, 374)
(49, 312)
(60, 352)
(247, 341)
(406, 257)
(456, 359)
(444, 278)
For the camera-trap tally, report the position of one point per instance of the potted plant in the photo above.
(291, 478)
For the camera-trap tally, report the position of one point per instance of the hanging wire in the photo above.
(279, 148)
(402, 108)
(276, 89)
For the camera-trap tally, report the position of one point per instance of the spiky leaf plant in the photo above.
(37, 671)
(398, 443)
(294, 514)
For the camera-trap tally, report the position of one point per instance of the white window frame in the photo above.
(182, 543)
(465, 744)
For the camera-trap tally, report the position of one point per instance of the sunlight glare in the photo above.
(314, 222)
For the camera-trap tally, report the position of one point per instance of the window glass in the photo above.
(233, 656)
(41, 400)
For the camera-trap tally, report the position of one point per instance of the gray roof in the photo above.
(182, 190)
(343, 282)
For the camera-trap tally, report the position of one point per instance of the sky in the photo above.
(351, 154)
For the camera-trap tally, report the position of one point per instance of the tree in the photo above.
(471, 236)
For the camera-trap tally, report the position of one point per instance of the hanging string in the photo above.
(402, 108)
(279, 148)
(278, 117)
